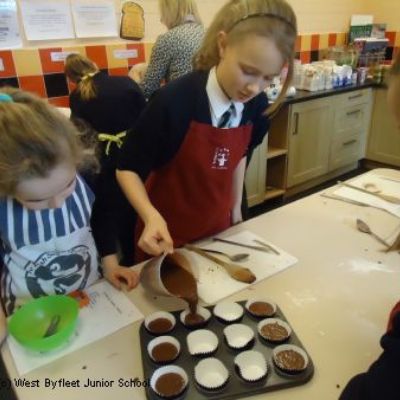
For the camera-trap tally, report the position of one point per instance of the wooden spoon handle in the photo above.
(236, 272)
(197, 250)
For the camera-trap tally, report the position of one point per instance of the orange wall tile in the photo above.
(49, 66)
(8, 62)
(98, 54)
(34, 84)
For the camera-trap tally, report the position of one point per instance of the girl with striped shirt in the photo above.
(46, 245)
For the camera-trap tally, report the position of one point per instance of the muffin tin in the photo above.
(236, 386)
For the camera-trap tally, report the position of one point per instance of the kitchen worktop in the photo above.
(337, 299)
(305, 95)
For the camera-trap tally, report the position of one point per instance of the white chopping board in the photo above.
(214, 283)
(382, 184)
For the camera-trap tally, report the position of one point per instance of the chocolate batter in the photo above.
(164, 352)
(261, 309)
(290, 360)
(179, 281)
(160, 325)
(274, 332)
(193, 319)
(170, 384)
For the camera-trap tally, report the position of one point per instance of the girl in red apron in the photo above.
(182, 166)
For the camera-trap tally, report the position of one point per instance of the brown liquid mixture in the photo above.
(179, 281)
(169, 385)
(164, 352)
(193, 319)
(160, 325)
(274, 332)
(290, 360)
(261, 309)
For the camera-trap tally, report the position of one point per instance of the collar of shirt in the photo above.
(219, 103)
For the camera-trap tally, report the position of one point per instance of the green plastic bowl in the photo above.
(29, 324)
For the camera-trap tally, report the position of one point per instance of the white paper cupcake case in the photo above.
(268, 321)
(156, 315)
(163, 339)
(252, 365)
(202, 342)
(228, 311)
(261, 300)
(238, 336)
(211, 373)
(293, 347)
(165, 370)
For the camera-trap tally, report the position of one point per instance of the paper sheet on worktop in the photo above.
(109, 311)
(214, 283)
(384, 185)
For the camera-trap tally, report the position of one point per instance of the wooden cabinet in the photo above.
(310, 140)
(384, 139)
(351, 122)
(266, 174)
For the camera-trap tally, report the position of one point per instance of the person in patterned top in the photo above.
(172, 53)
(46, 244)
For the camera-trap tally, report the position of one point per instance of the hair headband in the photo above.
(261, 14)
(6, 98)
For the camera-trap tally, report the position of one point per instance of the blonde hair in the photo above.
(34, 138)
(274, 19)
(81, 70)
(174, 12)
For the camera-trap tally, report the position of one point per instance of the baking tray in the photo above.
(236, 387)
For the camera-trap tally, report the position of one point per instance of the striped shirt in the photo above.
(49, 251)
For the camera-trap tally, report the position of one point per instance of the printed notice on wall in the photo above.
(47, 19)
(10, 37)
(94, 18)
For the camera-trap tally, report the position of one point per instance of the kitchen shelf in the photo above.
(273, 152)
(272, 192)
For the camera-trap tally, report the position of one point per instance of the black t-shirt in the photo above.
(117, 104)
(381, 381)
(161, 128)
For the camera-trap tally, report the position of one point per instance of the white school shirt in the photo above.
(219, 102)
(49, 251)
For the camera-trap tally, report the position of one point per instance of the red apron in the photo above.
(193, 191)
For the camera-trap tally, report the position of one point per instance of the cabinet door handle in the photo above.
(349, 142)
(296, 123)
(353, 112)
(356, 96)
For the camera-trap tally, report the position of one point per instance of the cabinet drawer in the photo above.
(350, 118)
(353, 98)
(345, 151)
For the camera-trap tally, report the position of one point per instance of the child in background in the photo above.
(110, 105)
(45, 238)
(381, 381)
(182, 166)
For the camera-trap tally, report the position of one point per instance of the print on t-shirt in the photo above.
(64, 271)
(221, 158)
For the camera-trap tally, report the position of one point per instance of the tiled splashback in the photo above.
(33, 69)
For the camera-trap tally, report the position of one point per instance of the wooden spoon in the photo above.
(237, 272)
(386, 197)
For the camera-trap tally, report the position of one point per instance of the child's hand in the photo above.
(155, 239)
(117, 275)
